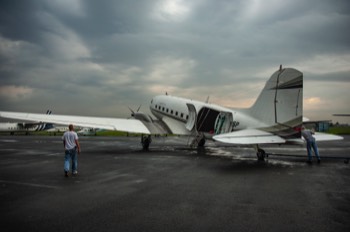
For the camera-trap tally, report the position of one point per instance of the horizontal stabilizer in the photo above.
(127, 125)
(248, 136)
(326, 137)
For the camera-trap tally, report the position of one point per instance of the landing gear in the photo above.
(146, 141)
(201, 143)
(260, 153)
(198, 141)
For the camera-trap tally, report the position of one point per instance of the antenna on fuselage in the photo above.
(207, 101)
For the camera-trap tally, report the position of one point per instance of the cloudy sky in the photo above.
(98, 58)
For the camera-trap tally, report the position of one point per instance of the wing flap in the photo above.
(127, 125)
(249, 136)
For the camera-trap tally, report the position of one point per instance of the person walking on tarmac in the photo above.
(310, 144)
(71, 150)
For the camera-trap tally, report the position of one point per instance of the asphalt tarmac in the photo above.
(171, 187)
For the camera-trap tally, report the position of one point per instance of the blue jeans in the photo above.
(311, 144)
(71, 155)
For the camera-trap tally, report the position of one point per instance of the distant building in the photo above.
(320, 126)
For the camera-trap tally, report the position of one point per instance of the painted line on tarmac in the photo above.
(29, 184)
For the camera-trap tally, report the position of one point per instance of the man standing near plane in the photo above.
(71, 148)
(310, 143)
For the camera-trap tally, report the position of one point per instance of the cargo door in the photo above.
(223, 123)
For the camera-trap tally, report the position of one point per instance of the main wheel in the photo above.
(261, 154)
(201, 142)
(145, 146)
(145, 141)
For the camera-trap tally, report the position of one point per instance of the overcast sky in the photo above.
(97, 58)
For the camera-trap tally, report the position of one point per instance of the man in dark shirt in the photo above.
(310, 144)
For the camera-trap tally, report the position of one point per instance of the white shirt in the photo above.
(69, 137)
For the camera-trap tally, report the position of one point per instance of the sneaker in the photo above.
(75, 173)
(318, 161)
(66, 174)
(309, 162)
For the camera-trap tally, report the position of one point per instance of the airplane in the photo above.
(276, 117)
(87, 131)
(342, 115)
(56, 128)
(26, 127)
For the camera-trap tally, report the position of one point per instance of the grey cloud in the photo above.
(107, 54)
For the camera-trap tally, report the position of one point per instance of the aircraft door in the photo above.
(223, 123)
(192, 117)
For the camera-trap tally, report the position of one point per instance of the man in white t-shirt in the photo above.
(71, 148)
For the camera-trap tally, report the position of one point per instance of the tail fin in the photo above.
(280, 104)
(45, 126)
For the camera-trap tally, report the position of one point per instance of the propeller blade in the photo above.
(139, 108)
(132, 112)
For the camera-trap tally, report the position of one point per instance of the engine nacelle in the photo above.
(142, 117)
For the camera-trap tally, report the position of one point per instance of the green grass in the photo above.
(339, 130)
(113, 133)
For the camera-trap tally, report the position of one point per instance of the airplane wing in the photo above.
(175, 126)
(326, 137)
(127, 125)
(248, 136)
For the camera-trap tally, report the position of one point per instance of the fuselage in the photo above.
(18, 127)
(204, 117)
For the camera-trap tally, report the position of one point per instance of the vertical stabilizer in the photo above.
(280, 104)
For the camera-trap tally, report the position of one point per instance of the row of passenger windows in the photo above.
(182, 115)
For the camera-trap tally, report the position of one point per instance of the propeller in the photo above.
(133, 112)
(139, 115)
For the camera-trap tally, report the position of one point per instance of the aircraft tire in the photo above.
(145, 146)
(201, 143)
(261, 154)
(146, 141)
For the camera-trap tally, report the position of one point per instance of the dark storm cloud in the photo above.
(18, 20)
